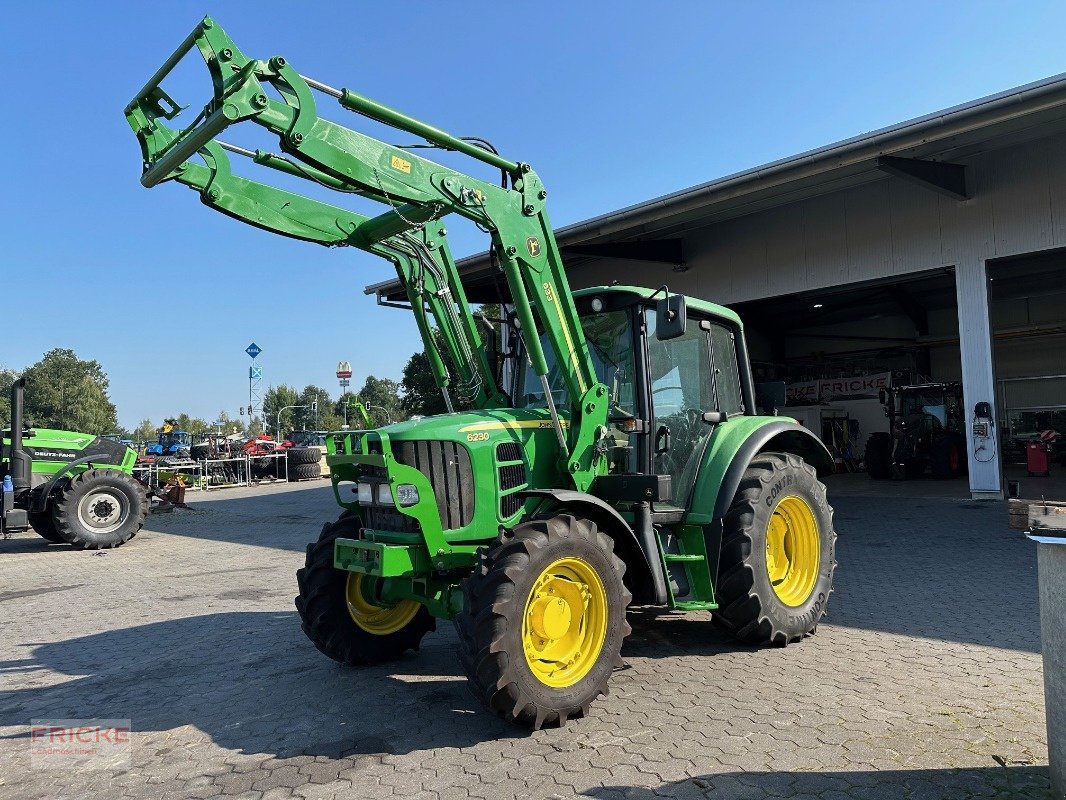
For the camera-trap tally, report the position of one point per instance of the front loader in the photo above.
(612, 453)
(69, 487)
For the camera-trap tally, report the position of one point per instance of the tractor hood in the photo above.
(511, 424)
(56, 446)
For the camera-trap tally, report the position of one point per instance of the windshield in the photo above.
(610, 339)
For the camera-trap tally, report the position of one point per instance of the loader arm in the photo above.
(419, 193)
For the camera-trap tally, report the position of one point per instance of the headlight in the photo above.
(365, 493)
(406, 494)
(384, 494)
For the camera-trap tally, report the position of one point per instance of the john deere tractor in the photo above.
(69, 487)
(619, 460)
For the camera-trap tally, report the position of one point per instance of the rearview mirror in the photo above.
(671, 317)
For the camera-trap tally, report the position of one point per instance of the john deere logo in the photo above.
(533, 246)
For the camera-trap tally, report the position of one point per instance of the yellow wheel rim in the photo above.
(377, 620)
(565, 623)
(793, 551)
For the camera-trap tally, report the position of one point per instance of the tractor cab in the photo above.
(659, 388)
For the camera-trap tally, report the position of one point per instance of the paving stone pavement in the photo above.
(924, 682)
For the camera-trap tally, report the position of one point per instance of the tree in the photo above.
(275, 401)
(421, 394)
(62, 391)
(144, 432)
(326, 419)
(381, 397)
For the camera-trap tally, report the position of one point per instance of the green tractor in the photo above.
(926, 424)
(69, 487)
(611, 453)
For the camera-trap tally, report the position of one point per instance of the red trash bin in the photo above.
(1038, 459)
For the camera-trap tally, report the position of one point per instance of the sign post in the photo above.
(255, 382)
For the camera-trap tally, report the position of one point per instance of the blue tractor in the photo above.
(171, 442)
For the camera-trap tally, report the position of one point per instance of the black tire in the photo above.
(200, 452)
(323, 607)
(749, 605)
(947, 458)
(43, 524)
(303, 455)
(490, 625)
(878, 457)
(303, 472)
(100, 509)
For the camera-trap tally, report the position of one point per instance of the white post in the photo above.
(978, 380)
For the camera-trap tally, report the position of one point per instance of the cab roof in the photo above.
(703, 306)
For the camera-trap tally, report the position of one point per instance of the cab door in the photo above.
(687, 376)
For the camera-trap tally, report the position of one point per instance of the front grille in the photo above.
(447, 466)
(508, 451)
(384, 518)
(512, 476)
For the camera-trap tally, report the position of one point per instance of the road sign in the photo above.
(255, 372)
(344, 369)
(253, 350)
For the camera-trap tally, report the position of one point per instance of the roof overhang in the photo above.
(1028, 112)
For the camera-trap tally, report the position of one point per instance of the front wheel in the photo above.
(543, 620)
(778, 553)
(337, 611)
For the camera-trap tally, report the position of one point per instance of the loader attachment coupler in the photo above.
(416, 192)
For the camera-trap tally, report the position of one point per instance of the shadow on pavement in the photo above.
(1030, 783)
(285, 520)
(253, 683)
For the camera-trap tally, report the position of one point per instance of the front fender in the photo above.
(732, 447)
(607, 519)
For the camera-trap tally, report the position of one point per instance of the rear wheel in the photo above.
(543, 621)
(878, 456)
(778, 553)
(337, 611)
(100, 509)
(199, 452)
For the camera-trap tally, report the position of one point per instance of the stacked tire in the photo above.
(304, 463)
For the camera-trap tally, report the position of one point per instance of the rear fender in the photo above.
(627, 547)
(734, 445)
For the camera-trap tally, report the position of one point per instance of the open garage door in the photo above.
(837, 349)
(1027, 309)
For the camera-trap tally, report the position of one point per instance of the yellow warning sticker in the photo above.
(401, 164)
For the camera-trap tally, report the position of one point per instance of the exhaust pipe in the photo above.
(20, 466)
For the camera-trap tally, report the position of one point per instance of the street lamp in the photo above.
(284, 408)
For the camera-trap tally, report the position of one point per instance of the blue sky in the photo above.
(613, 103)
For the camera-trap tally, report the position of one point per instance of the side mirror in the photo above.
(671, 317)
(882, 395)
(714, 417)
